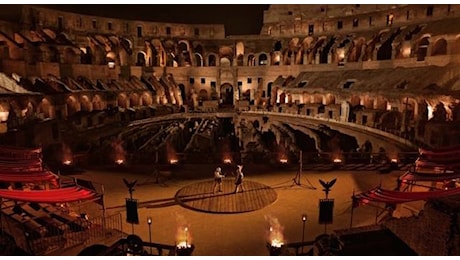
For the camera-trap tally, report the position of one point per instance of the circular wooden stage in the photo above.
(200, 196)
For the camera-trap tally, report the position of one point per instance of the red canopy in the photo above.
(63, 195)
(393, 197)
(32, 176)
(20, 152)
(414, 176)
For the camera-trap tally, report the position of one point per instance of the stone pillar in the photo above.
(393, 50)
(375, 51)
(344, 111)
(429, 47)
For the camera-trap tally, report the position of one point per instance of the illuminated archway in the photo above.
(263, 59)
(72, 105)
(146, 99)
(251, 60)
(134, 100)
(85, 104)
(439, 47)
(141, 56)
(226, 94)
(122, 100)
(422, 48)
(97, 103)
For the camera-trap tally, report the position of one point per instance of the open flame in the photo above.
(119, 161)
(337, 160)
(173, 161)
(275, 234)
(276, 238)
(183, 238)
(283, 160)
(66, 154)
(67, 162)
(119, 153)
(394, 160)
(227, 161)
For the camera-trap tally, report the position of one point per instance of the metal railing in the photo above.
(77, 232)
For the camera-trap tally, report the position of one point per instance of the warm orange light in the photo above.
(337, 160)
(67, 162)
(283, 160)
(276, 238)
(173, 161)
(119, 161)
(227, 161)
(184, 243)
(394, 160)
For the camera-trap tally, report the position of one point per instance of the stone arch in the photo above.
(225, 61)
(380, 103)
(355, 101)
(199, 60)
(439, 47)
(97, 102)
(239, 48)
(134, 100)
(184, 53)
(251, 60)
(422, 48)
(226, 94)
(86, 104)
(146, 99)
(45, 108)
(263, 59)
(240, 60)
(141, 58)
(72, 104)
(122, 100)
(329, 99)
(226, 54)
(183, 45)
(203, 95)
(212, 60)
(367, 102)
(317, 98)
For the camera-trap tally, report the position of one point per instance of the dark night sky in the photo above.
(238, 18)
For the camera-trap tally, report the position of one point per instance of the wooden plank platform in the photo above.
(200, 196)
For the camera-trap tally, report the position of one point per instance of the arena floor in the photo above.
(222, 230)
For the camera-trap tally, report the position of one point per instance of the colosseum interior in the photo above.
(355, 82)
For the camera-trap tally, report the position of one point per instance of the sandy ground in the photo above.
(243, 233)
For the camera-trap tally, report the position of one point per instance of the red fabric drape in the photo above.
(63, 195)
(414, 176)
(388, 196)
(30, 176)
